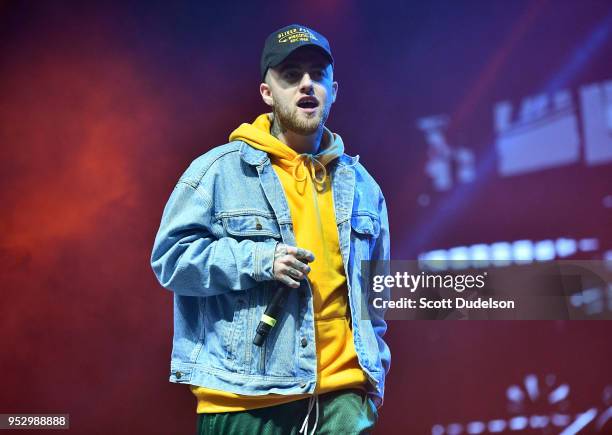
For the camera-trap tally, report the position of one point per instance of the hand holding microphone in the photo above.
(290, 266)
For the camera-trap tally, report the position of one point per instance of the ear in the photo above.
(266, 94)
(334, 91)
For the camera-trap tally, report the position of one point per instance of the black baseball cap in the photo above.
(285, 41)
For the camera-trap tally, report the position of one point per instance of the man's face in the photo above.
(301, 90)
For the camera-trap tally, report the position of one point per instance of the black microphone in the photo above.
(271, 315)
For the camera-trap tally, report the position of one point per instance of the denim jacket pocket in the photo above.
(235, 330)
(227, 317)
(365, 224)
(250, 225)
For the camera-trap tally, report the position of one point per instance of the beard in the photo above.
(290, 119)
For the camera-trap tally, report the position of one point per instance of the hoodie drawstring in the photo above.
(314, 401)
(313, 162)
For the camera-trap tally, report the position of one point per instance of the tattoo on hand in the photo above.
(281, 250)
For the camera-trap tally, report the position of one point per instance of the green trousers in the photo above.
(339, 412)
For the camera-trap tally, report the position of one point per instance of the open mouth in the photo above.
(308, 103)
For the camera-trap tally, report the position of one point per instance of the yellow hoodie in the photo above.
(308, 190)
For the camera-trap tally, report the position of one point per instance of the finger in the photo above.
(297, 264)
(299, 252)
(292, 272)
(305, 254)
(287, 275)
(288, 249)
(295, 274)
(281, 250)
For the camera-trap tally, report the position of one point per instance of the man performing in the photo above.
(278, 206)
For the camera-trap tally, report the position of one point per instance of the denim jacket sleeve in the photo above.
(381, 253)
(188, 259)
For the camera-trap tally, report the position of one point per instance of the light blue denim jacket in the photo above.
(215, 249)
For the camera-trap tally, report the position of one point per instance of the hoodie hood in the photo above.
(258, 136)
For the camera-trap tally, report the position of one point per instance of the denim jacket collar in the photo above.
(256, 157)
(253, 156)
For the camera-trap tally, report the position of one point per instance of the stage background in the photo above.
(488, 125)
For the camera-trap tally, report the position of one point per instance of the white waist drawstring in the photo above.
(314, 401)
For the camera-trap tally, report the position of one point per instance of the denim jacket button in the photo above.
(258, 226)
(178, 375)
(304, 342)
(303, 385)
